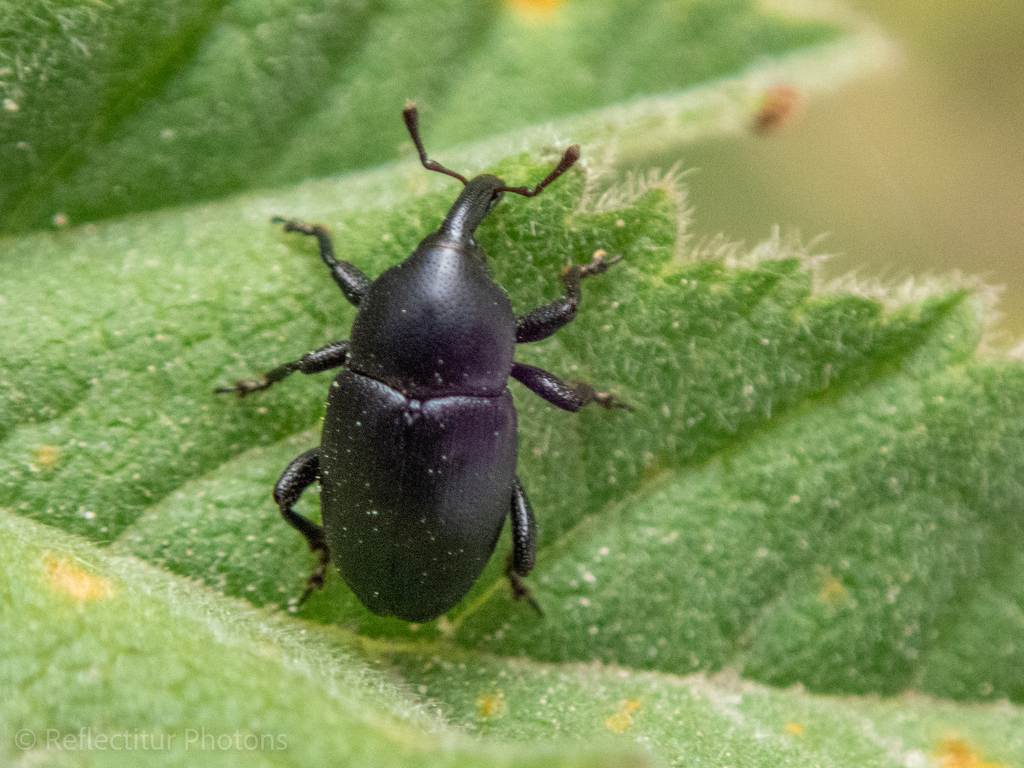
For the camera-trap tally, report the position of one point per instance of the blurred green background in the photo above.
(917, 171)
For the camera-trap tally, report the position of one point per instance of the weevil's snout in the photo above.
(478, 198)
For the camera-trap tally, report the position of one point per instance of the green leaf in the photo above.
(118, 107)
(812, 488)
(181, 674)
(816, 490)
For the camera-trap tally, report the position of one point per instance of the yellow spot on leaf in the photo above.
(67, 578)
(623, 719)
(491, 706)
(832, 591)
(44, 457)
(957, 753)
(534, 7)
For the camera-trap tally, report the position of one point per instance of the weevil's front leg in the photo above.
(544, 321)
(524, 545)
(297, 477)
(350, 278)
(333, 355)
(568, 397)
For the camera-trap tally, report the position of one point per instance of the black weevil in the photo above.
(417, 459)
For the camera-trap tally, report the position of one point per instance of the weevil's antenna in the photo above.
(411, 117)
(412, 122)
(572, 154)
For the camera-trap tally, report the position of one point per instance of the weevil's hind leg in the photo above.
(524, 546)
(352, 281)
(544, 321)
(333, 355)
(568, 397)
(299, 475)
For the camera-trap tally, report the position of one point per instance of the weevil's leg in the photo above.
(524, 545)
(297, 477)
(524, 531)
(330, 356)
(568, 397)
(544, 321)
(350, 279)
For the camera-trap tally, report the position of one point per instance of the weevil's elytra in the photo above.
(417, 459)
